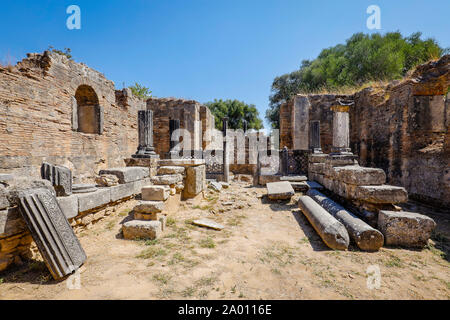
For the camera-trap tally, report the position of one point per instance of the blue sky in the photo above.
(205, 49)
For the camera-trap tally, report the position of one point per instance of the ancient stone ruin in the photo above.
(73, 149)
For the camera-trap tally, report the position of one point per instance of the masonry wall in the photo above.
(403, 128)
(39, 120)
(194, 117)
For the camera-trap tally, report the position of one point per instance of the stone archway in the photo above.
(87, 113)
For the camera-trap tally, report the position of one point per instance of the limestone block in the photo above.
(318, 157)
(216, 186)
(155, 193)
(149, 207)
(127, 174)
(341, 160)
(317, 168)
(83, 188)
(140, 229)
(264, 179)
(69, 205)
(60, 177)
(280, 190)
(107, 180)
(11, 222)
(407, 229)
(195, 181)
(89, 201)
(181, 162)
(294, 178)
(360, 176)
(381, 194)
(171, 170)
(145, 216)
(20, 184)
(4, 202)
(167, 179)
(123, 191)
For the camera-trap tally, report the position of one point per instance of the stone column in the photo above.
(145, 129)
(314, 137)
(226, 167)
(341, 130)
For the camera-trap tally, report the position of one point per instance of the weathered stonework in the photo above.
(43, 94)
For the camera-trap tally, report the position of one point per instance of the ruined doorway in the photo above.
(88, 113)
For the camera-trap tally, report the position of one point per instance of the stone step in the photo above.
(381, 194)
(127, 174)
(294, 178)
(279, 190)
(149, 207)
(171, 170)
(168, 179)
(155, 193)
(141, 229)
(360, 176)
(300, 186)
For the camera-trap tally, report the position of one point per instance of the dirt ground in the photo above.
(266, 251)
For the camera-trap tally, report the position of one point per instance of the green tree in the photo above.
(237, 112)
(363, 58)
(140, 91)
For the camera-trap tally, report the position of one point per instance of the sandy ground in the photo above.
(267, 251)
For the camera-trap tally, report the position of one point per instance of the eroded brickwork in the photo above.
(402, 128)
(40, 118)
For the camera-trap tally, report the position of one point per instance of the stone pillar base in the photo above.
(151, 163)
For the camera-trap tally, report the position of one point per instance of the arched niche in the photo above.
(87, 114)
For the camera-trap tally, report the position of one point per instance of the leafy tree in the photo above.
(237, 112)
(363, 58)
(140, 91)
(66, 52)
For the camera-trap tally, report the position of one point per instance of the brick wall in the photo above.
(38, 118)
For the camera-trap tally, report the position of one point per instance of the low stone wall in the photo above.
(80, 209)
(362, 187)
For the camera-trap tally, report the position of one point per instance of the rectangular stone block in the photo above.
(51, 231)
(60, 177)
(317, 168)
(279, 190)
(4, 202)
(318, 157)
(127, 174)
(89, 201)
(11, 222)
(381, 194)
(141, 229)
(264, 179)
(155, 193)
(341, 160)
(360, 176)
(408, 229)
(124, 190)
(195, 181)
(69, 205)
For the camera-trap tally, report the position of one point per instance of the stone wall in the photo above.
(319, 110)
(46, 101)
(402, 127)
(194, 117)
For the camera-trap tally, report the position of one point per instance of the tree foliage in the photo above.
(67, 52)
(237, 112)
(140, 91)
(363, 58)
